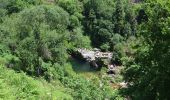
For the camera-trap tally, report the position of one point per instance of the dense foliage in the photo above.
(20, 86)
(148, 72)
(38, 38)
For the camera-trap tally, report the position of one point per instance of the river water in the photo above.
(80, 66)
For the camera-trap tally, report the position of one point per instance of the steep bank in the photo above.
(15, 86)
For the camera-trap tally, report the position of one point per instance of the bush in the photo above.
(20, 86)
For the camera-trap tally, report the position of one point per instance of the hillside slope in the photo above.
(20, 86)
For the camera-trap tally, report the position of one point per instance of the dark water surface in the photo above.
(80, 66)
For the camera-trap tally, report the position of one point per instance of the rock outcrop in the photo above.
(91, 55)
(95, 56)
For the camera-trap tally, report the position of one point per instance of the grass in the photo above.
(17, 86)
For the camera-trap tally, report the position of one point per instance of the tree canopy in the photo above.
(39, 39)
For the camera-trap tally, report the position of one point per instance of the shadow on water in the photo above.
(80, 66)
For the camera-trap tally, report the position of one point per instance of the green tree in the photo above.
(119, 17)
(148, 73)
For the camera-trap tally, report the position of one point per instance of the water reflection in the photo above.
(80, 66)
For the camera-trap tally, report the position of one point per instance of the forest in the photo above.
(39, 40)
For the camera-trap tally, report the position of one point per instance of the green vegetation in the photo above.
(148, 73)
(38, 39)
(20, 86)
